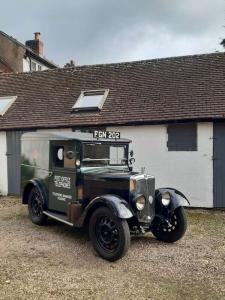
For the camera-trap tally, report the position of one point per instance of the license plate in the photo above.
(106, 134)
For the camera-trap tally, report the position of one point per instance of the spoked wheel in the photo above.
(35, 207)
(110, 235)
(172, 230)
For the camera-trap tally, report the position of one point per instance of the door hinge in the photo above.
(214, 158)
(8, 154)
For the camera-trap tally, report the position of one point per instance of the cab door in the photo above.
(62, 182)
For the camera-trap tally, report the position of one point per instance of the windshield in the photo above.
(112, 157)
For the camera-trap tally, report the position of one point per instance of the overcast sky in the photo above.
(103, 31)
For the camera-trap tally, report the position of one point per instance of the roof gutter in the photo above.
(39, 58)
(78, 126)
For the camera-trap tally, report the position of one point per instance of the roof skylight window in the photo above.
(5, 103)
(91, 100)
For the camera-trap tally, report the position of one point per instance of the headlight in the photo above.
(165, 198)
(140, 202)
(77, 163)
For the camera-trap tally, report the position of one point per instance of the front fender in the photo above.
(117, 204)
(177, 199)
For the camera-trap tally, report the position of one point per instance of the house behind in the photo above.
(17, 57)
(173, 109)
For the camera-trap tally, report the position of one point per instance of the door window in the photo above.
(64, 156)
(58, 156)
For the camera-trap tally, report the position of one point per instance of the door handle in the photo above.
(50, 174)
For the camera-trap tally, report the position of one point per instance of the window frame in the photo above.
(188, 140)
(103, 92)
(33, 66)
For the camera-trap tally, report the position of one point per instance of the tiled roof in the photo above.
(142, 92)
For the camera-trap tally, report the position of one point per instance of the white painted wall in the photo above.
(26, 65)
(3, 165)
(189, 172)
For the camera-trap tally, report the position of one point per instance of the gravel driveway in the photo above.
(58, 262)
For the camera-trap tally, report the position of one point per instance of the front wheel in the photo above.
(110, 235)
(173, 230)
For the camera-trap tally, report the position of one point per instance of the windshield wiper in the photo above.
(116, 169)
(95, 159)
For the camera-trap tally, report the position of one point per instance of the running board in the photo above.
(58, 217)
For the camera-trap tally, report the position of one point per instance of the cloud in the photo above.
(99, 31)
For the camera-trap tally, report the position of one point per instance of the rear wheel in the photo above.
(173, 230)
(35, 207)
(110, 235)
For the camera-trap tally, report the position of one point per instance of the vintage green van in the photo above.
(84, 179)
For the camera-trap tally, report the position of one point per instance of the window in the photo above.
(5, 103)
(58, 156)
(91, 100)
(63, 155)
(33, 66)
(182, 137)
(39, 68)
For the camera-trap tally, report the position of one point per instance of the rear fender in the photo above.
(41, 188)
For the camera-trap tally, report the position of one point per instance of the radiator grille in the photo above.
(145, 185)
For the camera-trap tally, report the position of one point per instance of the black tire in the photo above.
(174, 233)
(35, 207)
(110, 235)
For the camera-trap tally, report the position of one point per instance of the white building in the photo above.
(172, 109)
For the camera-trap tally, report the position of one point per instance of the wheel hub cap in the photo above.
(107, 233)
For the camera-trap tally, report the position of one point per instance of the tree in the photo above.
(222, 43)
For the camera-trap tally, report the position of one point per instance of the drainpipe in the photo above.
(30, 62)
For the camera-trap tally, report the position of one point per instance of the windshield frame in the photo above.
(117, 144)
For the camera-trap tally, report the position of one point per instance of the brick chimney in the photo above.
(70, 64)
(36, 45)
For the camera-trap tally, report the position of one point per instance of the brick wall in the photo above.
(12, 54)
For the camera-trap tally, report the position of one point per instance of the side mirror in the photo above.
(70, 155)
(131, 153)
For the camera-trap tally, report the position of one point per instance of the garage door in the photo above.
(13, 160)
(219, 164)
